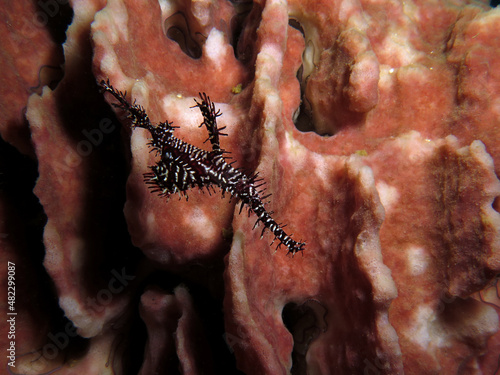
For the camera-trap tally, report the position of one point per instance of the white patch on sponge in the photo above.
(418, 260)
(216, 48)
(389, 195)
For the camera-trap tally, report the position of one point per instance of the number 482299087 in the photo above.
(11, 285)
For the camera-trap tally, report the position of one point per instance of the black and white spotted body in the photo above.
(183, 166)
